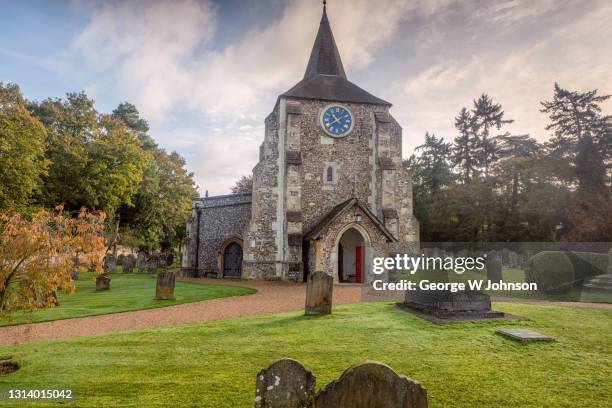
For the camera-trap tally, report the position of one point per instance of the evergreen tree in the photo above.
(463, 151)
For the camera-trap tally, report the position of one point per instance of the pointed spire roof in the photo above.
(325, 78)
(324, 57)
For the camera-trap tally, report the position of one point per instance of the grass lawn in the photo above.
(214, 364)
(133, 291)
(508, 275)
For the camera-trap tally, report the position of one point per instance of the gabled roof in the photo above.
(338, 211)
(325, 78)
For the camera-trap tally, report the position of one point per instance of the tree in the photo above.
(163, 200)
(432, 165)
(22, 147)
(243, 185)
(96, 161)
(487, 116)
(463, 151)
(36, 256)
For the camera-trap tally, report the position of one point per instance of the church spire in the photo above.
(324, 57)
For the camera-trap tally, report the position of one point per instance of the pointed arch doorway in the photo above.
(351, 256)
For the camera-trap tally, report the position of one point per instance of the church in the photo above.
(329, 191)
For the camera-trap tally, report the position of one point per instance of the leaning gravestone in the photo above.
(494, 266)
(164, 290)
(102, 283)
(129, 261)
(372, 385)
(285, 384)
(319, 293)
(141, 261)
(110, 263)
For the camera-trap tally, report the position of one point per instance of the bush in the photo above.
(555, 272)
(552, 271)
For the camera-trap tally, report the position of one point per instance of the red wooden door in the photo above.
(358, 264)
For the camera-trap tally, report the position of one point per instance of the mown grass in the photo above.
(134, 291)
(215, 364)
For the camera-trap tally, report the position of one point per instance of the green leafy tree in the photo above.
(22, 148)
(243, 185)
(464, 149)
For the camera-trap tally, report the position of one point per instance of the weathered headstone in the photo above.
(152, 263)
(102, 283)
(524, 335)
(319, 293)
(610, 262)
(120, 259)
(110, 263)
(285, 384)
(372, 385)
(141, 261)
(494, 266)
(169, 259)
(129, 261)
(164, 289)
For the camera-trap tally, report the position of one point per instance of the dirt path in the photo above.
(271, 298)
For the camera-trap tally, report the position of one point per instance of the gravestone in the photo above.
(75, 268)
(152, 263)
(319, 293)
(141, 261)
(129, 261)
(110, 263)
(285, 384)
(609, 271)
(102, 283)
(444, 306)
(524, 335)
(494, 266)
(120, 259)
(169, 259)
(372, 385)
(164, 289)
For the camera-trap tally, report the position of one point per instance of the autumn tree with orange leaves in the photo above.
(36, 256)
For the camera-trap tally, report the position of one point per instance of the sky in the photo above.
(206, 73)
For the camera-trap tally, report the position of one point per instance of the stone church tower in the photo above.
(329, 190)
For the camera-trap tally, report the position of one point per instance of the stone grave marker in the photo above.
(129, 262)
(102, 282)
(164, 289)
(372, 385)
(524, 335)
(319, 293)
(285, 384)
(141, 261)
(494, 266)
(110, 263)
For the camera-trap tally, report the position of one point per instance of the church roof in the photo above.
(340, 209)
(325, 77)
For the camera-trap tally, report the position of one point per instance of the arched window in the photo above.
(330, 174)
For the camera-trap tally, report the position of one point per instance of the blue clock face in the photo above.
(337, 121)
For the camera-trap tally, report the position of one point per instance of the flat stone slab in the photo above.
(524, 335)
(459, 318)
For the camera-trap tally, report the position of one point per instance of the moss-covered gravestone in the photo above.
(102, 282)
(164, 290)
(319, 293)
(285, 384)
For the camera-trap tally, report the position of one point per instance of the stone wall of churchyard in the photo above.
(260, 240)
(221, 218)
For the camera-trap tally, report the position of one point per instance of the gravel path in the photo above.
(271, 298)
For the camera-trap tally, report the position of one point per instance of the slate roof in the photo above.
(325, 77)
(337, 211)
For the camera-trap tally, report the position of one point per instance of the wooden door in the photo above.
(232, 260)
